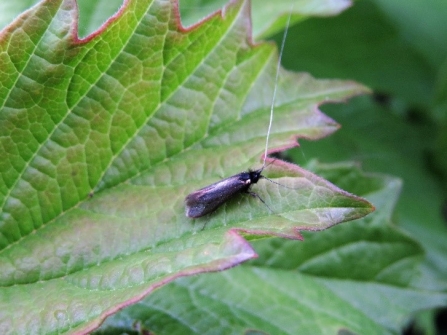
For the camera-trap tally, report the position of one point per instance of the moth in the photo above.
(209, 198)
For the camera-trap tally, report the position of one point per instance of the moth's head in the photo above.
(255, 175)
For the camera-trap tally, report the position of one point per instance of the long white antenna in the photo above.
(276, 85)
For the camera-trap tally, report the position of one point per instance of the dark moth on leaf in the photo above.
(208, 199)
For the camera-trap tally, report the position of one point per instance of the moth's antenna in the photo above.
(276, 85)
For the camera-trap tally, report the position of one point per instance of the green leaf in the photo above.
(375, 53)
(401, 131)
(427, 33)
(242, 299)
(398, 132)
(381, 149)
(271, 17)
(357, 278)
(10, 9)
(268, 17)
(103, 138)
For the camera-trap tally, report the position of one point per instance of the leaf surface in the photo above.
(103, 138)
(357, 278)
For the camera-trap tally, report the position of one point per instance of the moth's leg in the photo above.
(255, 195)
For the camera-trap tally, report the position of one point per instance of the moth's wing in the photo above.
(209, 198)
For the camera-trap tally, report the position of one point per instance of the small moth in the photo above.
(209, 198)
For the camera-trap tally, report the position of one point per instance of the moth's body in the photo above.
(209, 198)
